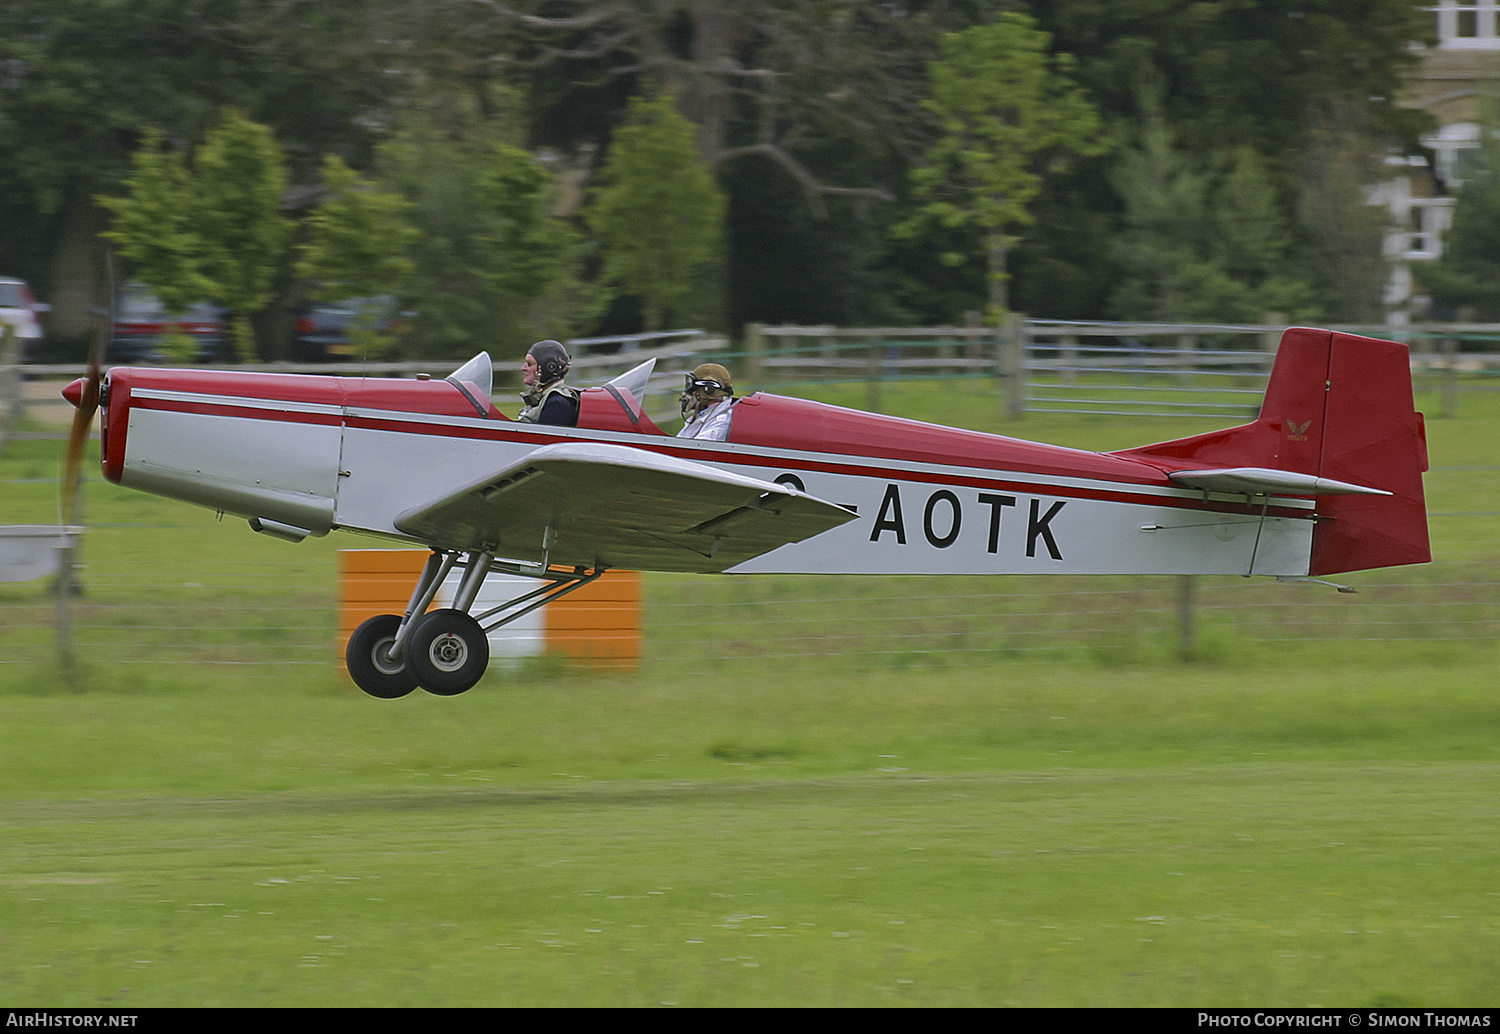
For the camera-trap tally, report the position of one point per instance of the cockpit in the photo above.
(760, 419)
(615, 405)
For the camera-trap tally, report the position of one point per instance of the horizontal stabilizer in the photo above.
(1267, 481)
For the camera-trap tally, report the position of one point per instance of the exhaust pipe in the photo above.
(277, 530)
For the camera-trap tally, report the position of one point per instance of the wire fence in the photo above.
(1135, 369)
(256, 618)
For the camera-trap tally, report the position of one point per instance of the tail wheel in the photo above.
(447, 652)
(369, 662)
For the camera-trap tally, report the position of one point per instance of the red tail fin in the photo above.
(1339, 407)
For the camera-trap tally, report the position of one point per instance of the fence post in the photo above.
(974, 344)
(1272, 325)
(1069, 354)
(1187, 344)
(755, 352)
(1449, 347)
(873, 368)
(10, 379)
(1186, 584)
(831, 342)
(1012, 363)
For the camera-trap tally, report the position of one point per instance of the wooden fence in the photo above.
(1207, 370)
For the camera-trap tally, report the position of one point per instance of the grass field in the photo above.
(208, 814)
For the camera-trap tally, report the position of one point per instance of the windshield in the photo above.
(476, 371)
(635, 380)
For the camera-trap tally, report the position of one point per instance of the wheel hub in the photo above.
(448, 652)
(384, 660)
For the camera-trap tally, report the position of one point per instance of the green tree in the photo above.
(1345, 231)
(659, 213)
(359, 237)
(1468, 273)
(437, 160)
(241, 177)
(155, 226)
(1253, 244)
(1246, 72)
(533, 253)
(1164, 228)
(1008, 115)
(1200, 240)
(81, 80)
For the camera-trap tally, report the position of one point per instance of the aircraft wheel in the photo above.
(368, 663)
(447, 652)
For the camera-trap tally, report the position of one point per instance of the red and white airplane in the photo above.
(1328, 479)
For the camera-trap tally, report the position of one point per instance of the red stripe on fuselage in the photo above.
(509, 432)
(243, 412)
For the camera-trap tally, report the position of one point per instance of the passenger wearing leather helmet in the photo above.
(547, 399)
(707, 400)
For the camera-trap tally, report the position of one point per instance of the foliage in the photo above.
(658, 213)
(1287, 79)
(808, 111)
(1247, 73)
(534, 255)
(1344, 230)
(1009, 114)
(359, 237)
(212, 233)
(496, 265)
(155, 226)
(241, 177)
(80, 81)
(436, 167)
(1200, 243)
(1468, 274)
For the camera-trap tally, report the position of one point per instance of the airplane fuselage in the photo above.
(305, 455)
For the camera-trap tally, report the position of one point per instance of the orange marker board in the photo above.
(599, 624)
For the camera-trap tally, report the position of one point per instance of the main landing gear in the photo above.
(445, 651)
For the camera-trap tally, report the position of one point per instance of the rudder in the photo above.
(1373, 436)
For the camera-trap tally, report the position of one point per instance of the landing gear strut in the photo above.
(446, 651)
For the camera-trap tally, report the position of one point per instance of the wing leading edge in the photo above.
(593, 505)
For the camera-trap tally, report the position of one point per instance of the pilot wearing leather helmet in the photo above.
(547, 399)
(707, 401)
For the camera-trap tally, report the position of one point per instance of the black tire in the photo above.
(368, 665)
(447, 652)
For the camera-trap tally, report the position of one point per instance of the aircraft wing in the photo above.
(593, 505)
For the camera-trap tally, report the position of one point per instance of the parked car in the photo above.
(322, 333)
(19, 309)
(141, 323)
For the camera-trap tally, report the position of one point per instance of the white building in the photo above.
(1450, 83)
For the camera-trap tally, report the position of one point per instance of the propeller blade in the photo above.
(84, 394)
